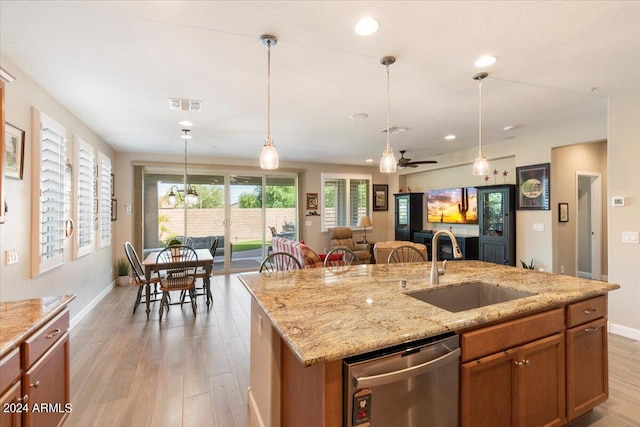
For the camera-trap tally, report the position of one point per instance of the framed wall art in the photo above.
(114, 209)
(312, 201)
(563, 212)
(380, 197)
(532, 183)
(14, 152)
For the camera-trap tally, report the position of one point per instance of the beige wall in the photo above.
(86, 277)
(567, 162)
(624, 258)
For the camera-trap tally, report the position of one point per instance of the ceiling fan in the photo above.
(406, 162)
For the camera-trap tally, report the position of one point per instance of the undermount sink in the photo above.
(467, 296)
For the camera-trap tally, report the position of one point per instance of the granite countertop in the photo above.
(19, 319)
(325, 315)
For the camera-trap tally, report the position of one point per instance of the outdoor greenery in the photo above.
(277, 197)
(211, 196)
(248, 245)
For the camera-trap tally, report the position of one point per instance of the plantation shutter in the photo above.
(104, 190)
(84, 161)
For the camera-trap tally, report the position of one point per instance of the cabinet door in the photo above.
(542, 382)
(488, 391)
(12, 409)
(587, 367)
(47, 385)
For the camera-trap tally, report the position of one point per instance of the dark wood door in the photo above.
(496, 222)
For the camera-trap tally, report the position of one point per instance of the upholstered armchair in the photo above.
(343, 236)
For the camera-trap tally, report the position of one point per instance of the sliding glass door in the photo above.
(242, 210)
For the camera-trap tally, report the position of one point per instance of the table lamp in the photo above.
(364, 221)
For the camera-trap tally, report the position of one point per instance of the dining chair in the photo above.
(279, 261)
(201, 272)
(139, 278)
(405, 254)
(341, 256)
(179, 277)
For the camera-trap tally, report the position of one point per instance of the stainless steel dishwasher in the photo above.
(411, 385)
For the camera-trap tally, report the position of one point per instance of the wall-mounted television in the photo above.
(453, 205)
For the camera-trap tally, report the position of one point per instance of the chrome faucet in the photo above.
(457, 254)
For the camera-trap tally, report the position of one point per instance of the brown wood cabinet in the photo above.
(34, 377)
(587, 363)
(544, 369)
(504, 389)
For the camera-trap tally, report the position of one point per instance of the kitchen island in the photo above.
(305, 322)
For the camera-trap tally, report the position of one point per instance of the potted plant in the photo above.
(530, 266)
(174, 251)
(122, 269)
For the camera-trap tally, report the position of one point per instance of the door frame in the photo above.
(595, 207)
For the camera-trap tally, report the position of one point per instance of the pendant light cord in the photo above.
(388, 108)
(269, 90)
(480, 117)
(186, 179)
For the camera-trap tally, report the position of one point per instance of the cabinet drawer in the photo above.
(9, 369)
(586, 311)
(492, 339)
(44, 338)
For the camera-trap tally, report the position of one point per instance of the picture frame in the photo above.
(312, 201)
(14, 152)
(533, 185)
(563, 212)
(112, 184)
(114, 209)
(380, 197)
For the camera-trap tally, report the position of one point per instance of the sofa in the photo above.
(308, 257)
(343, 236)
(205, 242)
(381, 250)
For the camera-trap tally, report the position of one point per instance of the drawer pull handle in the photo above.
(590, 311)
(53, 333)
(23, 399)
(35, 385)
(591, 329)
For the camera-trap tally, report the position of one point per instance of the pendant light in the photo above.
(191, 196)
(269, 156)
(388, 161)
(480, 166)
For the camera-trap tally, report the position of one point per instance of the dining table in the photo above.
(204, 259)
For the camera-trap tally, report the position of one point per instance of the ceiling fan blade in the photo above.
(412, 165)
(423, 162)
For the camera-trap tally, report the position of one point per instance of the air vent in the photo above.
(394, 130)
(185, 104)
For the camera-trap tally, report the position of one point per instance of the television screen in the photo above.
(453, 206)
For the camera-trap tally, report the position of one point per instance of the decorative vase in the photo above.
(122, 280)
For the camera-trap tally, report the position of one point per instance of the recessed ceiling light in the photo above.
(485, 61)
(369, 160)
(359, 116)
(366, 26)
(185, 123)
(450, 137)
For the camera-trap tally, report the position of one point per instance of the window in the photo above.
(83, 172)
(345, 198)
(49, 193)
(104, 198)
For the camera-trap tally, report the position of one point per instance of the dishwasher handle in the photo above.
(403, 374)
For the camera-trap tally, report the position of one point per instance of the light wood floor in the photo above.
(127, 371)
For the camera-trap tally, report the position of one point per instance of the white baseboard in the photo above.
(254, 414)
(78, 317)
(624, 331)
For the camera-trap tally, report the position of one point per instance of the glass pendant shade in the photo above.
(480, 166)
(172, 199)
(269, 156)
(191, 198)
(388, 162)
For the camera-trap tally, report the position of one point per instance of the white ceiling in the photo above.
(115, 63)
